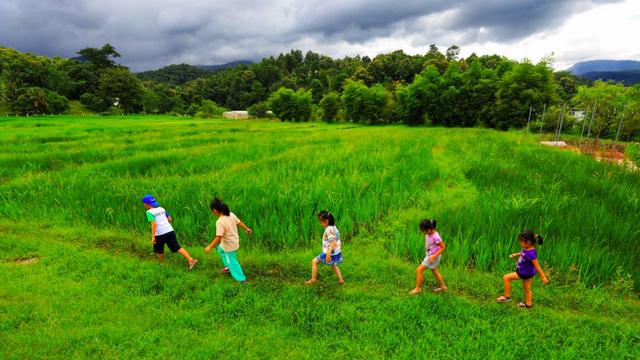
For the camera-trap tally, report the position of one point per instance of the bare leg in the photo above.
(161, 258)
(338, 274)
(186, 255)
(507, 283)
(528, 296)
(314, 272)
(419, 279)
(438, 277)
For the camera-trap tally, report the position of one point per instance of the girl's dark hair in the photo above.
(530, 237)
(221, 207)
(427, 224)
(325, 215)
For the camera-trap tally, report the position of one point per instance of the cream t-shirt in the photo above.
(227, 227)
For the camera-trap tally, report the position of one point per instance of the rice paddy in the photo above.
(70, 191)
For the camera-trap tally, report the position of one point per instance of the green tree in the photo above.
(452, 53)
(289, 105)
(209, 109)
(330, 105)
(415, 101)
(435, 58)
(120, 88)
(40, 101)
(364, 104)
(258, 110)
(524, 86)
(100, 58)
(609, 100)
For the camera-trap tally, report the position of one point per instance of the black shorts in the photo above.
(169, 239)
(524, 277)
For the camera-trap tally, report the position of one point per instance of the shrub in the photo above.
(38, 100)
(289, 105)
(633, 152)
(364, 104)
(330, 105)
(258, 110)
(209, 109)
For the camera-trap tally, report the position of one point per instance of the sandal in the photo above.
(503, 299)
(440, 289)
(310, 282)
(523, 305)
(193, 264)
(341, 282)
(415, 291)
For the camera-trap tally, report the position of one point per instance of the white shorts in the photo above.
(429, 264)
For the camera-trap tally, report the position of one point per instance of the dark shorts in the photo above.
(525, 277)
(169, 239)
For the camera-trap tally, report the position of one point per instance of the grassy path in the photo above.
(89, 296)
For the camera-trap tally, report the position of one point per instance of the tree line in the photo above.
(438, 88)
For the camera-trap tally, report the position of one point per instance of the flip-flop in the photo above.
(193, 264)
(523, 305)
(503, 299)
(225, 270)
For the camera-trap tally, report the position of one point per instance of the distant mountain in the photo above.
(224, 66)
(604, 65)
(173, 74)
(183, 73)
(628, 77)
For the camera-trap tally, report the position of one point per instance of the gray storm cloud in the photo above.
(151, 34)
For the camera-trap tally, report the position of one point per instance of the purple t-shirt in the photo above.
(525, 262)
(432, 243)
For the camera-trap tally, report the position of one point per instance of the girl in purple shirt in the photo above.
(526, 269)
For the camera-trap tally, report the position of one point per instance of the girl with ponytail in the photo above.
(227, 241)
(434, 248)
(331, 254)
(526, 269)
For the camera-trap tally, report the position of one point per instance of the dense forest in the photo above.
(439, 88)
(627, 77)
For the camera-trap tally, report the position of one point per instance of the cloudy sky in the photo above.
(152, 33)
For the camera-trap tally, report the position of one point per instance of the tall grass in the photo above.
(483, 186)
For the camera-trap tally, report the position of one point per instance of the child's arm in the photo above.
(330, 250)
(539, 269)
(169, 218)
(153, 232)
(514, 255)
(434, 256)
(244, 227)
(213, 244)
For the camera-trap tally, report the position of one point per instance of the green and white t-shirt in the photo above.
(161, 217)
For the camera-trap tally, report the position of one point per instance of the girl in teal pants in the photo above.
(227, 240)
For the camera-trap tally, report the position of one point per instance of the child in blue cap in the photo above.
(162, 232)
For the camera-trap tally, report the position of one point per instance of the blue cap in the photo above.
(150, 200)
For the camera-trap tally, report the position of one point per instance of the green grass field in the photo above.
(80, 280)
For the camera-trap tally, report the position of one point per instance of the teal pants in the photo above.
(230, 260)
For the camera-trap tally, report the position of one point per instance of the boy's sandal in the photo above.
(503, 299)
(341, 282)
(193, 264)
(523, 305)
(440, 289)
(415, 291)
(310, 282)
